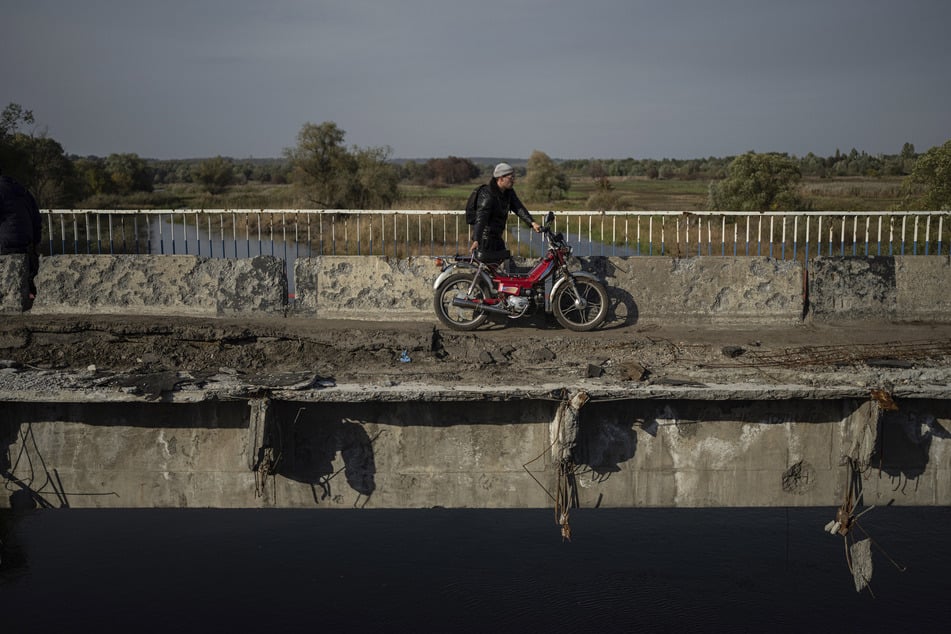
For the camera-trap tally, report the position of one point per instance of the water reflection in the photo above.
(170, 235)
(583, 247)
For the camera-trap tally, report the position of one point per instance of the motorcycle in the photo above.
(471, 288)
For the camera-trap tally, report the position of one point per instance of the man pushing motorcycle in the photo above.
(493, 204)
(469, 289)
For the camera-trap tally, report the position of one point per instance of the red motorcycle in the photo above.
(471, 288)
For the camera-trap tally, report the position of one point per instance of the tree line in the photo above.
(325, 173)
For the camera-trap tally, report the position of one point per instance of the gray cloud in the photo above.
(601, 78)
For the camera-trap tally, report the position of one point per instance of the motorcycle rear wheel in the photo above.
(584, 310)
(456, 317)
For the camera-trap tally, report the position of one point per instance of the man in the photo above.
(20, 224)
(492, 207)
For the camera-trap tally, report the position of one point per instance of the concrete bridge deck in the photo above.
(178, 381)
(119, 411)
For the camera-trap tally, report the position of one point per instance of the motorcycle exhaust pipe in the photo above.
(460, 302)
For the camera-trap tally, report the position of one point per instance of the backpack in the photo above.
(471, 205)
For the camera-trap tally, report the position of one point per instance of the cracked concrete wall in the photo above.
(365, 287)
(898, 288)
(14, 283)
(631, 453)
(703, 289)
(922, 288)
(181, 285)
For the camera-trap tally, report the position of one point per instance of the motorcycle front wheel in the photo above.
(581, 307)
(457, 317)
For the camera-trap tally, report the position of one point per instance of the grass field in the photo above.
(433, 233)
(641, 194)
(634, 194)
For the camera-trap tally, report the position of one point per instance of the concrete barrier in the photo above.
(181, 285)
(704, 289)
(14, 283)
(892, 288)
(634, 452)
(365, 287)
(923, 288)
(680, 289)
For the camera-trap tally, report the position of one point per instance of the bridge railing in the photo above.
(235, 233)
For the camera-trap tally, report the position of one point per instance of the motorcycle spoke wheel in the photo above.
(583, 307)
(456, 317)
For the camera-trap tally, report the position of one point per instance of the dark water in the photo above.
(470, 570)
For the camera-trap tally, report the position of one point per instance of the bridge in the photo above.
(187, 381)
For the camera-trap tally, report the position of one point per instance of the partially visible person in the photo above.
(20, 225)
(492, 208)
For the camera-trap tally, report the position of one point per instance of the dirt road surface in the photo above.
(39, 352)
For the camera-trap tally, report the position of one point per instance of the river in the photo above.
(443, 570)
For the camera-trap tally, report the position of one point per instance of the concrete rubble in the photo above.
(190, 358)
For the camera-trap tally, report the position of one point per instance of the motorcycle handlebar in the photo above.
(554, 238)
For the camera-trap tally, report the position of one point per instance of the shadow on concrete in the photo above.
(605, 440)
(160, 413)
(310, 446)
(27, 492)
(623, 310)
(903, 443)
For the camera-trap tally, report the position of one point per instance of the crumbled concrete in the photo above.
(853, 288)
(160, 285)
(900, 288)
(651, 357)
(365, 288)
(137, 411)
(138, 381)
(710, 289)
(14, 283)
(699, 290)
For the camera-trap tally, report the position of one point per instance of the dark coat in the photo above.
(20, 224)
(492, 208)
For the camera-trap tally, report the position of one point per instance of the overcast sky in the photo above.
(433, 78)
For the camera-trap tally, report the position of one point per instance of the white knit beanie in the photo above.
(501, 170)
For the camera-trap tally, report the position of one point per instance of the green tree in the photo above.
(12, 160)
(215, 175)
(377, 181)
(128, 173)
(758, 182)
(92, 174)
(929, 184)
(908, 151)
(49, 174)
(322, 167)
(451, 170)
(12, 118)
(329, 176)
(545, 180)
(36, 160)
(413, 172)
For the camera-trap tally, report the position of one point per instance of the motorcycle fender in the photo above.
(456, 269)
(562, 281)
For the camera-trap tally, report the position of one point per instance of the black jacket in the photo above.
(20, 222)
(492, 209)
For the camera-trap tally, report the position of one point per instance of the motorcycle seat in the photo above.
(493, 256)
